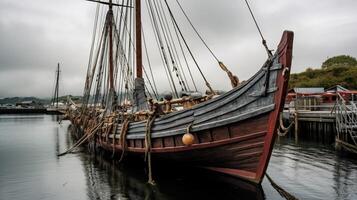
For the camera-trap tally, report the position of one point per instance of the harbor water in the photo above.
(30, 169)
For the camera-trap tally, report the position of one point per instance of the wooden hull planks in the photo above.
(234, 133)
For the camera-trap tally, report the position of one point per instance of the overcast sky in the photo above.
(37, 34)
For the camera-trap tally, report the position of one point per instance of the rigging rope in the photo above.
(269, 52)
(90, 69)
(234, 79)
(149, 63)
(161, 47)
(189, 50)
(198, 34)
(184, 56)
(159, 25)
(171, 45)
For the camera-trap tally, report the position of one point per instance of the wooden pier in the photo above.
(327, 124)
(31, 111)
(319, 126)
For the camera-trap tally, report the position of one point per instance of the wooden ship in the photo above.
(231, 133)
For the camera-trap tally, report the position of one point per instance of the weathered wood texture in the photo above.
(234, 132)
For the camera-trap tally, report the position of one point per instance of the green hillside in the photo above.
(44, 101)
(338, 70)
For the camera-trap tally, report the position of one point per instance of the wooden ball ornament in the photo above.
(188, 139)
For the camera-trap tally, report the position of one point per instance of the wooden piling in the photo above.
(296, 127)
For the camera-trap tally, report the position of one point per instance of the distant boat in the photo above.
(232, 133)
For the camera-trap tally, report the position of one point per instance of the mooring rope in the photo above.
(122, 137)
(83, 139)
(282, 130)
(108, 129)
(280, 190)
(149, 124)
(115, 129)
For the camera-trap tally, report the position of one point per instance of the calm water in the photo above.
(30, 169)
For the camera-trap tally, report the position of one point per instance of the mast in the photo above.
(139, 61)
(139, 89)
(111, 67)
(57, 85)
(55, 95)
(139, 95)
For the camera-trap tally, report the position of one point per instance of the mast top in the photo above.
(110, 3)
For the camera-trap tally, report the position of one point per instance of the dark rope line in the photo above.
(165, 36)
(182, 77)
(123, 61)
(154, 90)
(233, 78)
(260, 32)
(196, 31)
(155, 93)
(151, 86)
(158, 45)
(163, 52)
(149, 63)
(280, 190)
(121, 11)
(93, 39)
(100, 69)
(171, 45)
(130, 63)
(88, 83)
(127, 37)
(130, 38)
(91, 76)
(189, 50)
(147, 91)
(119, 20)
(184, 56)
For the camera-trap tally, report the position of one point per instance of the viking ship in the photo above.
(231, 133)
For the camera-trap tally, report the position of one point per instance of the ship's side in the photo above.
(234, 133)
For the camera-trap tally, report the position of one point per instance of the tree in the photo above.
(338, 70)
(342, 60)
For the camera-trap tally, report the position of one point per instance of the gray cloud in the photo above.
(36, 34)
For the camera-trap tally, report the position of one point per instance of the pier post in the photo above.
(296, 126)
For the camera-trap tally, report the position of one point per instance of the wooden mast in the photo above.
(139, 95)
(57, 84)
(111, 67)
(56, 93)
(139, 62)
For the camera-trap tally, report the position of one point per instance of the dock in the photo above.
(324, 123)
(31, 111)
(319, 126)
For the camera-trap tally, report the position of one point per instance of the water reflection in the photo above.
(314, 171)
(108, 180)
(30, 169)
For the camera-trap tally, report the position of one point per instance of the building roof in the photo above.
(310, 90)
(336, 88)
(27, 102)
